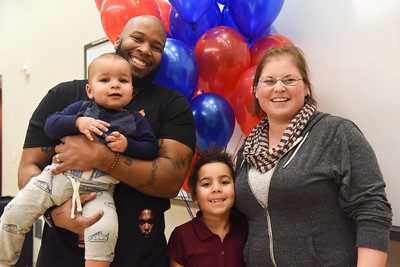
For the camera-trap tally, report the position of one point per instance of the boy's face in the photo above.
(110, 83)
(215, 193)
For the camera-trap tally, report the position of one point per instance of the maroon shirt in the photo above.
(192, 244)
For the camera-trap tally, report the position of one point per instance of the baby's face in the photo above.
(110, 83)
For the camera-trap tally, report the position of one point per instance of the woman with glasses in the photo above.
(308, 182)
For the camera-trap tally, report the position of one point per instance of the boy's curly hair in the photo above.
(214, 154)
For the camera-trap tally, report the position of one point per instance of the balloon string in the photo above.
(203, 89)
(185, 203)
(237, 147)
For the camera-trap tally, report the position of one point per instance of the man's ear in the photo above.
(117, 42)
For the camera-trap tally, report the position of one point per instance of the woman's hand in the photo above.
(371, 257)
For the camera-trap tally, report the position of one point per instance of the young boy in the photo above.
(215, 237)
(109, 89)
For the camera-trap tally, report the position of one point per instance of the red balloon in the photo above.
(242, 101)
(98, 4)
(165, 8)
(222, 56)
(116, 13)
(261, 46)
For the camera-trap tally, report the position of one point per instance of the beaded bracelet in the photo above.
(113, 164)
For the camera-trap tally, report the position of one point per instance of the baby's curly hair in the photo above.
(214, 154)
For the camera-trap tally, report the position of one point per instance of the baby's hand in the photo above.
(86, 125)
(117, 142)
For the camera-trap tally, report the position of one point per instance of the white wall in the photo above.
(49, 36)
(353, 49)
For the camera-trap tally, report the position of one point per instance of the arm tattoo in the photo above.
(183, 161)
(30, 178)
(46, 149)
(34, 174)
(128, 161)
(152, 179)
(153, 173)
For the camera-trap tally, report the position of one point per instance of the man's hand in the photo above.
(87, 125)
(61, 216)
(117, 142)
(78, 153)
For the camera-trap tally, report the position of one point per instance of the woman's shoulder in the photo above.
(335, 126)
(328, 120)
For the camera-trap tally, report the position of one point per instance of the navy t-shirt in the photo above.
(170, 117)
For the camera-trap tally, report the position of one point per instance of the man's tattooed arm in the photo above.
(33, 160)
(47, 149)
(30, 178)
(162, 176)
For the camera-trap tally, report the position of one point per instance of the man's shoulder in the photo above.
(166, 99)
(66, 93)
(164, 92)
(69, 87)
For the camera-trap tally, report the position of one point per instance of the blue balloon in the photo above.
(191, 10)
(253, 17)
(178, 68)
(228, 21)
(214, 120)
(191, 32)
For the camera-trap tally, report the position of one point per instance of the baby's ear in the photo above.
(89, 91)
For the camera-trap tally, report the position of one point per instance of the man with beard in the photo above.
(143, 183)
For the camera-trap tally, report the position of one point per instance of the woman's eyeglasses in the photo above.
(288, 81)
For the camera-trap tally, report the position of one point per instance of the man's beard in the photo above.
(142, 82)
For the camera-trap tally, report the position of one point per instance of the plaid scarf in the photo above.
(256, 151)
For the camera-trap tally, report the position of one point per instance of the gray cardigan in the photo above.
(323, 203)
